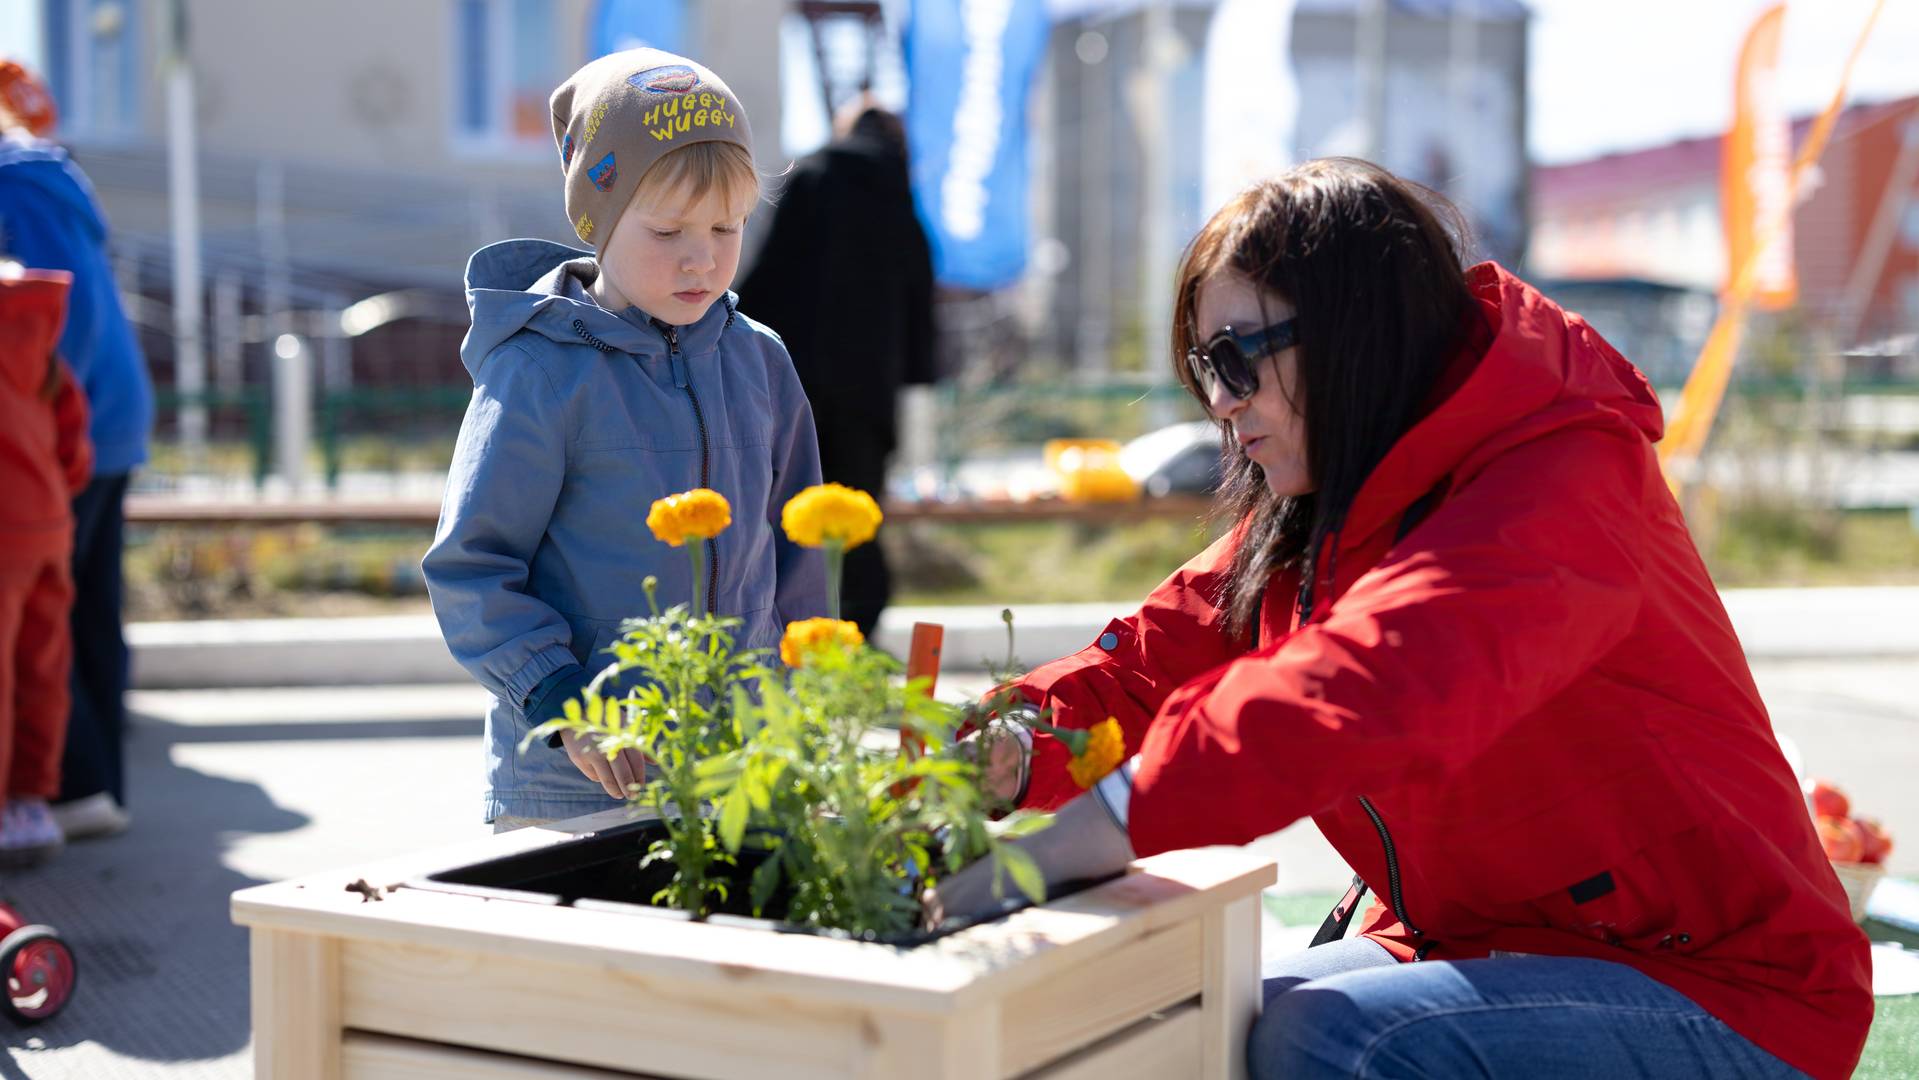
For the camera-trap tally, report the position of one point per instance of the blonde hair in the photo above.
(694, 170)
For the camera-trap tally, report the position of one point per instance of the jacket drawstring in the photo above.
(587, 335)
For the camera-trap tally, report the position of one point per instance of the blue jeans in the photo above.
(97, 724)
(1348, 1009)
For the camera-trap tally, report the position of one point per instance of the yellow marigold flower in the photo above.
(826, 512)
(809, 636)
(700, 514)
(1104, 749)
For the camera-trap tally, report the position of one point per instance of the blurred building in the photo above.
(1652, 217)
(346, 148)
(1454, 119)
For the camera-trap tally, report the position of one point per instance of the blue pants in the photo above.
(96, 727)
(1348, 1009)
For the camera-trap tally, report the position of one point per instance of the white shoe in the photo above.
(90, 817)
(28, 834)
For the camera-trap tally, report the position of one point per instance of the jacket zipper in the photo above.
(1394, 886)
(706, 480)
(1395, 892)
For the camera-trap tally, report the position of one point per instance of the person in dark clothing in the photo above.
(846, 279)
(49, 219)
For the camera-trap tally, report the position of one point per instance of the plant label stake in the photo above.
(922, 661)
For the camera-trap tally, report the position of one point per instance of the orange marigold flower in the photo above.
(826, 512)
(808, 636)
(1103, 749)
(700, 514)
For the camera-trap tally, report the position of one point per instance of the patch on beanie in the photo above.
(585, 228)
(674, 79)
(593, 121)
(605, 174)
(677, 115)
(566, 151)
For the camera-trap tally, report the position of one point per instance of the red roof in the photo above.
(1622, 177)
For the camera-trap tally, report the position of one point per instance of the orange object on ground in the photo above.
(44, 461)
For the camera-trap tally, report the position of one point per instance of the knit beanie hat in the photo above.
(27, 99)
(621, 113)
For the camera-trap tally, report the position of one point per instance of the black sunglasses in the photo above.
(1227, 358)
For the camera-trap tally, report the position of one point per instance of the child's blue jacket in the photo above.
(50, 221)
(580, 418)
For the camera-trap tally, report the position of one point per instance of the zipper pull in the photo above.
(672, 336)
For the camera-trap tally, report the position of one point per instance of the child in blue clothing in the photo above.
(602, 381)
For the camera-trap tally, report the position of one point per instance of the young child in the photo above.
(605, 380)
(45, 460)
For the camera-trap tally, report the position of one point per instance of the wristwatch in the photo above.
(1000, 727)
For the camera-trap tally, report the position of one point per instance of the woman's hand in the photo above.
(1082, 842)
(616, 774)
(1003, 750)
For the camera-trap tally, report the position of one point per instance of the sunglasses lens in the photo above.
(1202, 372)
(1230, 368)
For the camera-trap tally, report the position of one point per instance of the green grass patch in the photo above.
(1892, 1050)
(1305, 909)
(1783, 544)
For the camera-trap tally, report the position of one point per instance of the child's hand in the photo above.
(616, 774)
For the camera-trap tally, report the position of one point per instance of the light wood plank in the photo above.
(1079, 1006)
(1156, 893)
(296, 1006)
(596, 1016)
(967, 970)
(367, 1056)
(1165, 1047)
(962, 1046)
(1230, 999)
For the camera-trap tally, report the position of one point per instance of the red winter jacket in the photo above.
(1535, 689)
(44, 454)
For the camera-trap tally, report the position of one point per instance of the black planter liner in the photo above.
(600, 871)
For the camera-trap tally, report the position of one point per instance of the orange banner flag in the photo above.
(1756, 181)
(1705, 388)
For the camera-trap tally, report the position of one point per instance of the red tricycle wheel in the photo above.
(40, 974)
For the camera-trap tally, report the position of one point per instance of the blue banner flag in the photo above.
(969, 70)
(619, 25)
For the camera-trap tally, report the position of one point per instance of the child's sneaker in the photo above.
(90, 817)
(28, 834)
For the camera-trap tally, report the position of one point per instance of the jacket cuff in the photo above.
(522, 688)
(547, 701)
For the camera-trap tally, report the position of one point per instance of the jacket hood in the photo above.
(47, 168)
(1542, 368)
(541, 286)
(33, 306)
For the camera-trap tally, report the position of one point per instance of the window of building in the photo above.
(93, 65)
(507, 60)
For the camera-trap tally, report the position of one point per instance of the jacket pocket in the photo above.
(1626, 905)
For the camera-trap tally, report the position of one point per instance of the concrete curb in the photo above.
(1774, 624)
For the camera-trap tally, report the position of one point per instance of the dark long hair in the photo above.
(1373, 266)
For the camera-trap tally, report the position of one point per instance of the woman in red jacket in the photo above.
(44, 460)
(1460, 623)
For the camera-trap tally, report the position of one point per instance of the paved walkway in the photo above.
(233, 788)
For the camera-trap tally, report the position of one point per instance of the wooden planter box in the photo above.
(1154, 974)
